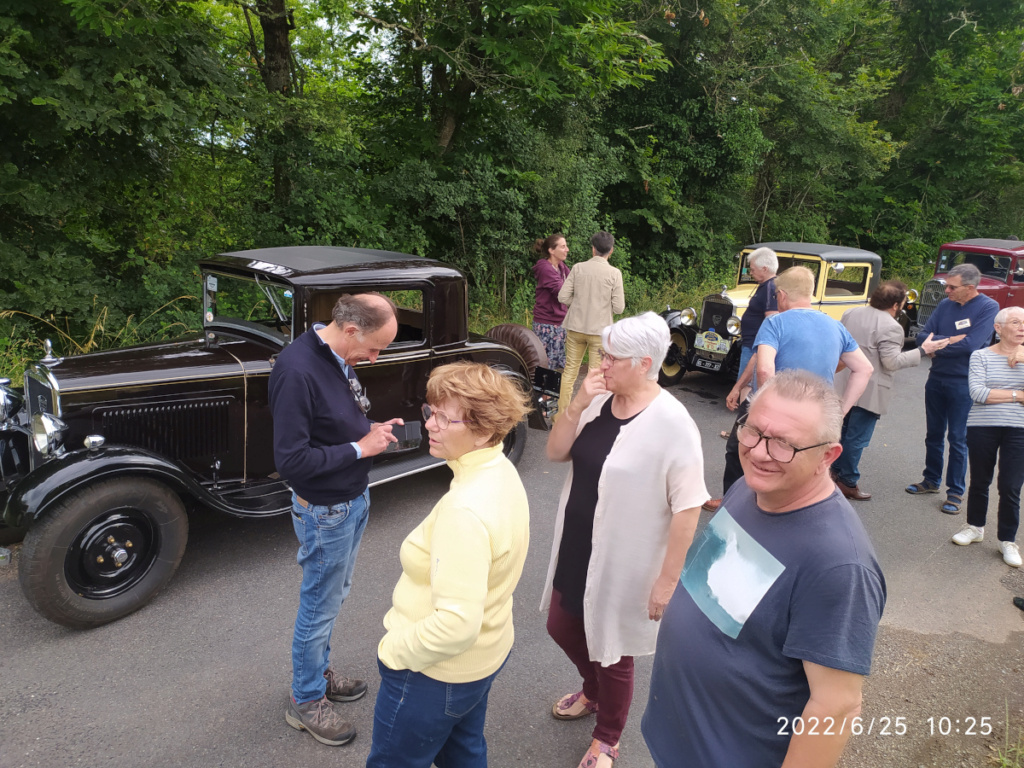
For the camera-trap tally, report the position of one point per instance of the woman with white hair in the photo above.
(995, 430)
(625, 520)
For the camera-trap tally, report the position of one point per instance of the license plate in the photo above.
(712, 342)
(708, 365)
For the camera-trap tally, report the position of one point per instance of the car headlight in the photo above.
(688, 316)
(10, 401)
(47, 433)
(913, 296)
(732, 325)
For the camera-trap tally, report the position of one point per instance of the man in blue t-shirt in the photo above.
(947, 400)
(762, 652)
(798, 337)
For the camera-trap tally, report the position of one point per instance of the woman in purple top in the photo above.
(550, 271)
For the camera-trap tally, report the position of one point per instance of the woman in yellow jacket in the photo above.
(449, 630)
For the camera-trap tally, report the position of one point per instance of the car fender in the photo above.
(34, 494)
(674, 319)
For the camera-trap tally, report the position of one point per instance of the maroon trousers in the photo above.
(611, 687)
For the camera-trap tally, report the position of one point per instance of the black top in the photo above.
(589, 451)
(762, 302)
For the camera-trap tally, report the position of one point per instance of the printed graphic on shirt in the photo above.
(727, 573)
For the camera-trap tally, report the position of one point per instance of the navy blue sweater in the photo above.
(953, 361)
(315, 419)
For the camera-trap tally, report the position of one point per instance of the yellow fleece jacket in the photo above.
(451, 615)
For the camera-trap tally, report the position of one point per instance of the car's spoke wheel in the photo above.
(674, 367)
(103, 552)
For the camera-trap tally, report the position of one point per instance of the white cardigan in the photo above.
(654, 469)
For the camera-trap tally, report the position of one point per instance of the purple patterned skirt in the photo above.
(553, 338)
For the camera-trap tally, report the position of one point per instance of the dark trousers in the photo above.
(733, 468)
(983, 445)
(611, 687)
(858, 427)
(946, 405)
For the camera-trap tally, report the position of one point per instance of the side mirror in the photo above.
(838, 268)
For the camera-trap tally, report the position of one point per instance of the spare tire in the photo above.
(524, 341)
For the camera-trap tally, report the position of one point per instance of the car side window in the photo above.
(409, 302)
(1018, 273)
(851, 282)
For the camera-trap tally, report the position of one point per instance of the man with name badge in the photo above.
(947, 400)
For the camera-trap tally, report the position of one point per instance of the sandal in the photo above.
(951, 506)
(600, 755)
(724, 435)
(923, 487)
(573, 706)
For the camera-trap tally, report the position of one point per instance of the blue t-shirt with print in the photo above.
(806, 339)
(760, 594)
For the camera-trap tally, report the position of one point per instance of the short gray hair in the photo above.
(803, 387)
(638, 337)
(362, 312)
(968, 274)
(764, 257)
(1004, 314)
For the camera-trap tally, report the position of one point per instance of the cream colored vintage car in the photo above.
(709, 341)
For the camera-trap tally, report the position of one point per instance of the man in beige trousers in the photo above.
(593, 293)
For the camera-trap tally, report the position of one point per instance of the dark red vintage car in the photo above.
(102, 454)
(1001, 263)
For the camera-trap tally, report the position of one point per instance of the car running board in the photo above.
(396, 468)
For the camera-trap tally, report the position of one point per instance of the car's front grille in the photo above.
(714, 313)
(934, 291)
(40, 396)
(184, 430)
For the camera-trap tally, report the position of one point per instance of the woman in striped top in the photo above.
(995, 428)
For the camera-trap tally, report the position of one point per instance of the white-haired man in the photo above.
(762, 654)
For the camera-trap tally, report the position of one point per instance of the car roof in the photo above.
(989, 244)
(317, 264)
(823, 251)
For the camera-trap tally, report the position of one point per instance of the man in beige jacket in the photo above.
(593, 293)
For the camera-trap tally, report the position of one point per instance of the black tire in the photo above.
(674, 367)
(515, 443)
(68, 568)
(524, 341)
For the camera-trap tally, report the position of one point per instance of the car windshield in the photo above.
(785, 262)
(254, 303)
(988, 264)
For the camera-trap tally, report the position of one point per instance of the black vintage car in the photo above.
(102, 454)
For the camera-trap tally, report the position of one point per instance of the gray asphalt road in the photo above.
(200, 677)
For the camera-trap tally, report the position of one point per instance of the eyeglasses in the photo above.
(953, 287)
(1013, 323)
(778, 450)
(440, 417)
(610, 358)
(361, 399)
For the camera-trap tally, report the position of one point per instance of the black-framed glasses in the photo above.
(360, 397)
(778, 450)
(440, 417)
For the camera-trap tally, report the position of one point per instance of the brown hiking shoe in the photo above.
(343, 688)
(321, 720)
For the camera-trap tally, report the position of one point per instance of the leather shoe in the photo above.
(852, 492)
(711, 505)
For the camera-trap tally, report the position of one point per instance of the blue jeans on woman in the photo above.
(983, 444)
(329, 539)
(418, 721)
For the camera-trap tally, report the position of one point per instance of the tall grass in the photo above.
(21, 343)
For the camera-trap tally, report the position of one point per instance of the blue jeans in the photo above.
(985, 443)
(946, 405)
(418, 721)
(329, 539)
(858, 427)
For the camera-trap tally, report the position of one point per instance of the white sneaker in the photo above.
(1011, 554)
(968, 535)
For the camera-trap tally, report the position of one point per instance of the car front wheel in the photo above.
(103, 552)
(515, 442)
(674, 367)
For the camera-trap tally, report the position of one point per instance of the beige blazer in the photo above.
(881, 339)
(593, 293)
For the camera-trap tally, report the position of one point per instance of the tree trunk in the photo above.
(276, 22)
